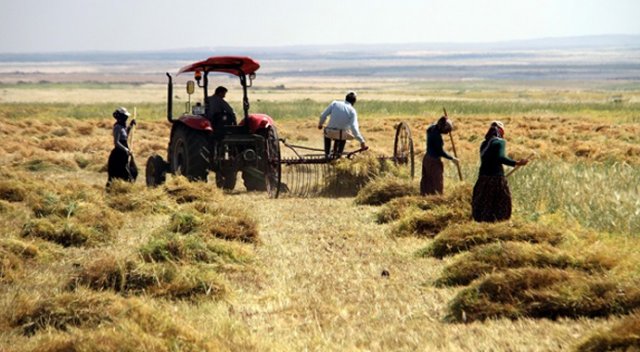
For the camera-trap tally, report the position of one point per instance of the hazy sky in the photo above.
(80, 25)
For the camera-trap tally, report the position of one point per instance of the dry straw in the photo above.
(62, 311)
(465, 236)
(543, 293)
(14, 254)
(383, 189)
(351, 174)
(168, 280)
(12, 191)
(184, 191)
(90, 321)
(458, 196)
(217, 221)
(500, 256)
(135, 197)
(624, 336)
(193, 249)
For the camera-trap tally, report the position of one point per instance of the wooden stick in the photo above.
(518, 166)
(130, 142)
(453, 145)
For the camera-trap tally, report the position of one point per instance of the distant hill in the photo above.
(628, 42)
(607, 57)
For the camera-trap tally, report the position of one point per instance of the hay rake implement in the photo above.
(309, 172)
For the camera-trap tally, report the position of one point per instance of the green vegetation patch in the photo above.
(542, 293)
(465, 236)
(500, 256)
(624, 336)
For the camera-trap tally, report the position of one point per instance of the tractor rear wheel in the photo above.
(188, 148)
(156, 171)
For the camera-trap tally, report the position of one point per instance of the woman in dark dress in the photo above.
(121, 164)
(432, 169)
(491, 195)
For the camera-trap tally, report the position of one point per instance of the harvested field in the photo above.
(186, 266)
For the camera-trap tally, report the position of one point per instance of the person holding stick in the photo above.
(491, 195)
(121, 165)
(432, 168)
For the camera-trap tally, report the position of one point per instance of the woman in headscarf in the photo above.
(491, 195)
(432, 168)
(121, 164)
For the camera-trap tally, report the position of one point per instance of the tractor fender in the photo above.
(258, 121)
(196, 122)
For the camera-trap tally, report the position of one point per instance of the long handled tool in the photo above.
(518, 166)
(453, 146)
(132, 168)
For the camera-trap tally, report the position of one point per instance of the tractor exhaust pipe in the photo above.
(170, 98)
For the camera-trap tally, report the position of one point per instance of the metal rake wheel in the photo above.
(403, 147)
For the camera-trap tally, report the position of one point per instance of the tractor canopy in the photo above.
(235, 65)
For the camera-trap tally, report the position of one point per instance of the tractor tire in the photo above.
(187, 149)
(226, 179)
(254, 179)
(156, 171)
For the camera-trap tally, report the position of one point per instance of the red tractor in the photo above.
(196, 147)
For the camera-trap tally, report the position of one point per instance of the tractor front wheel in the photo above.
(156, 171)
(226, 179)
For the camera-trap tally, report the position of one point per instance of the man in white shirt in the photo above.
(343, 125)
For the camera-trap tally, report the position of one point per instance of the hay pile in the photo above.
(13, 255)
(12, 191)
(220, 222)
(135, 197)
(350, 175)
(70, 215)
(129, 276)
(85, 320)
(542, 293)
(500, 256)
(465, 236)
(624, 336)
(183, 191)
(383, 189)
(169, 246)
(458, 196)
